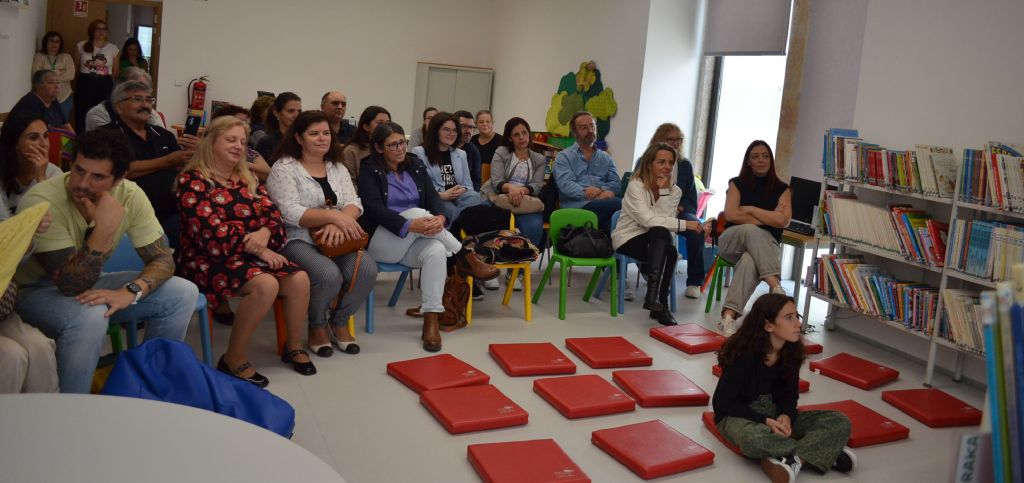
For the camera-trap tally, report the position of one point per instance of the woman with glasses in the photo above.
(405, 219)
(231, 236)
(51, 56)
(447, 165)
(359, 148)
(279, 117)
(317, 199)
(98, 64)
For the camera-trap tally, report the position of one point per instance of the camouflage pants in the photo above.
(817, 438)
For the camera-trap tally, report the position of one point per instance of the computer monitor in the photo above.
(805, 195)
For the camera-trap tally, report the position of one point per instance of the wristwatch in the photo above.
(134, 288)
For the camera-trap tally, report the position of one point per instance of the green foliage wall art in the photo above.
(581, 91)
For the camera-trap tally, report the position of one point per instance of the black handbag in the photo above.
(584, 242)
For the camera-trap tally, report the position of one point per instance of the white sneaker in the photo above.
(782, 469)
(728, 325)
(779, 290)
(492, 284)
(846, 462)
(628, 296)
(518, 287)
(692, 292)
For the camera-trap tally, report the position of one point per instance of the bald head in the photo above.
(334, 104)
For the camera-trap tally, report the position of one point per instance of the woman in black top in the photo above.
(755, 401)
(757, 208)
(487, 141)
(279, 118)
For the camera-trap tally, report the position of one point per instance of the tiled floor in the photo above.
(371, 428)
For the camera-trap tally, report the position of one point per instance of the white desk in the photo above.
(85, 439)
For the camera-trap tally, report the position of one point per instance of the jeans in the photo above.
(80, 329)
(453, 208)
(604, 209)
(532, 226)
(695, 270)
(429, 253)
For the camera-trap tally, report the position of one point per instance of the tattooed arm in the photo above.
(159, 264)
(73, 271)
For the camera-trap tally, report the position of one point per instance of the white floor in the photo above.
(371, 428)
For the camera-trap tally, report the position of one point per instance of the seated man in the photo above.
(156, 156)
(586, 176)
(63, 291)
(42, 101)
(334, 104)
(103, 113)
(466, 126)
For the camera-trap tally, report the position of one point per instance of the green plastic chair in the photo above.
(575, 217)
(716, 276)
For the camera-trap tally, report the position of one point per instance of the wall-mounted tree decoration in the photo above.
(581, 91)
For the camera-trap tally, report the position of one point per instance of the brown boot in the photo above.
(470, 264)
(431, 336)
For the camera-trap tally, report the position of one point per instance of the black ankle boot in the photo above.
(655, 273)
(664, 317)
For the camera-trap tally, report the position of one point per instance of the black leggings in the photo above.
(638, 247)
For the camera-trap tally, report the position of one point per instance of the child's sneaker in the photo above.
(692, 292)
(846, 461)
(727, 325)
(781, 469)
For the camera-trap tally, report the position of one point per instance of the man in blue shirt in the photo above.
(586, 176)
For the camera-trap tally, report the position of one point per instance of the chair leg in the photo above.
(369, 313)
(543, 278)
(563, 286)
(715, 273)
(133, 333)
(708, 277)
(204, 331)
(599, 289)
(279, 325)
(527, 305)
(620, 281)
(672, 295)
(719, 278)
(598, 273)
(469, 301)
(615, 296)
(511, 283)
(397, 292)
(352, 326)
(116, 342)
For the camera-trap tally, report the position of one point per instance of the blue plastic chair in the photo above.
(126, 259)
(623, 262)
(395, 293)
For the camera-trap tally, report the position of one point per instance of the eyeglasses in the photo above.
(395, 146)
(339, 103)
(141, 99)
(468, 126)
(448, 130)
(674, 140)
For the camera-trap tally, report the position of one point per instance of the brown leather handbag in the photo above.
(348, 246)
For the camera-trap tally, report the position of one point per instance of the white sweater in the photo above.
(640, 213)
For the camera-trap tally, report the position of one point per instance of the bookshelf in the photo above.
(958, 209)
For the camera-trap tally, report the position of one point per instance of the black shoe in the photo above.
(846, 462)
(477, 293)
(658, 253)
(257, 379)
(664, 317)
(323, 350)
(304, 368)
(350, 347)
(225, 319)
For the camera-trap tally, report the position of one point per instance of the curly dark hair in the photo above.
(752, 338)
(106, 143)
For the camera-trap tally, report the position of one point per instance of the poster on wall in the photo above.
(81, 8)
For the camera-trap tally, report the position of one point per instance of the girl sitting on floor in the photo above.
(755, 401)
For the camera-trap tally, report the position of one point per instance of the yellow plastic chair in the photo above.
(515, 267)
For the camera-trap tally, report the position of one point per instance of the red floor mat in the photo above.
(854, 371)
(436, 372)
(656, 388)
(689, 338)
(933, 407)
(536, 461)
(812, 347)
(606, 352)
(583, 396)
(473, 408)
(805, 385)
(539, 359)
(868, 426)
(708, 417)
(652, 449)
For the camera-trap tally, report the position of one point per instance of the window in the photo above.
(145, 35)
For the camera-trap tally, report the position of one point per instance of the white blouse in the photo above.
(294, 191)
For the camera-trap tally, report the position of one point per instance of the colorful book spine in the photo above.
(997, 394)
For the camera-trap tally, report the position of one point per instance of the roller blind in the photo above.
(747, 27)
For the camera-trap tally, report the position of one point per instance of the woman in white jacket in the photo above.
(647, 223)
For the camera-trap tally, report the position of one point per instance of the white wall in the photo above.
(21, 29)
(671, 69)
(832, 66)
(119, 21)
(536, 42)
(313, 46)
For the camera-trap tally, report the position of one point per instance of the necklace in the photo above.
(53, 61)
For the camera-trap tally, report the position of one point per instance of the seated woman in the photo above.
(257, 164)
(230, 234)
(316, 197)
(24, 158)
(647, 223)
(757, 208)
(517, 175)
(359, 147)
(755, 401)
(405, 220)
(447, 165)
(486, 140)
(278, 119)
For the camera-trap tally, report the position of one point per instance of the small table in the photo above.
(85, 438)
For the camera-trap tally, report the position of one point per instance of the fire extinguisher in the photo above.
(197, 93)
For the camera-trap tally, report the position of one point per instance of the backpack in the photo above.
(503, 246)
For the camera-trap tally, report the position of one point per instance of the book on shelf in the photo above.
(939, 178)
(994, 176)
(835, 137)
(985, 248)
(963, 313)
(1003, 323)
